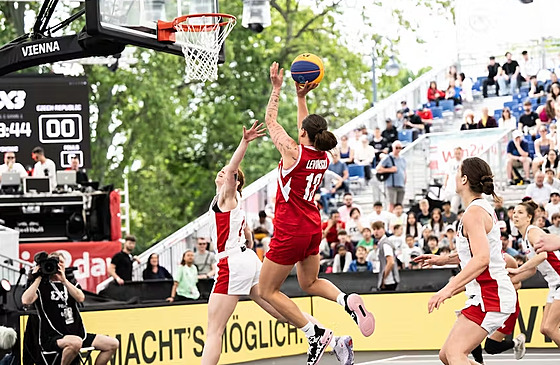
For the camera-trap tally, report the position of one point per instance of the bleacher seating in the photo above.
(447, 105)
(437, 112)
(405, 136)
(498, 114)
(356, 175)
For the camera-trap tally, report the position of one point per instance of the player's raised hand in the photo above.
(438, 299)
(276, 77)
(257, 130)
(430, 260)
(304, 89)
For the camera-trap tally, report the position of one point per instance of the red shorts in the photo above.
(509, 325)
(490, 321)
(288, 250)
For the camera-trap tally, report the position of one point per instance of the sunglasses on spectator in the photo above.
(11, 157)
(398, 148)
(202, 243)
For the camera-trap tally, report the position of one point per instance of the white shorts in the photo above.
(238, 273)
(553, 294)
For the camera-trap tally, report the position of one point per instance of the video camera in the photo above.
(47, 265)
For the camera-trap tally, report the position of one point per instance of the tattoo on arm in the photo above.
(283, 142)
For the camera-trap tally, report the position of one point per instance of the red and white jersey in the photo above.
(296, 213)
(227, 228)
(549, 268)
(492, 289)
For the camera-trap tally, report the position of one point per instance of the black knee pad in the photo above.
(494, 347)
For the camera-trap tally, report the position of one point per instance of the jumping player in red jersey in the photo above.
(297, 222)
(238, 266)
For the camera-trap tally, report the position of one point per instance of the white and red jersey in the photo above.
(549, 268)
(296, 213)
(227, 228)
(492, 289)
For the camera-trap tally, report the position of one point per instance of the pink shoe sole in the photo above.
(326, 339)
(366, 320)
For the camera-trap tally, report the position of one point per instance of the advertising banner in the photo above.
(91, 258)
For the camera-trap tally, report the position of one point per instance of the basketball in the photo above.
(307, 67)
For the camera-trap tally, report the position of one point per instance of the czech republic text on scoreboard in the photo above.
(47, 111)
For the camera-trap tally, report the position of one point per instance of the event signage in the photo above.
(47, 111)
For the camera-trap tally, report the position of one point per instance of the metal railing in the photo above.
(257, 194)
(10, 268)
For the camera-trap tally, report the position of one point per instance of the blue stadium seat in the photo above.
(477, 86)
(447, 105)
(531, 148)
(520, 98)
(510, 104)
(405, 136)
(498, 114)
(356, 175)
(524, 90)
(437, 112)
(480, 79)
(528, 138)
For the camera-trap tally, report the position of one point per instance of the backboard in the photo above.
(135, 21)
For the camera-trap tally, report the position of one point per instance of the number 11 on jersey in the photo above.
(313, 181)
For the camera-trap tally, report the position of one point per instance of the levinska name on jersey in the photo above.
(317, 164)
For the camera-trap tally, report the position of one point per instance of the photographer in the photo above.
(61, 326)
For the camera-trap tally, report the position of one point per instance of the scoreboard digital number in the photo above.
(47, 111)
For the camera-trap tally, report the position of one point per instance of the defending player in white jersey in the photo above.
(547, 263)
(238, 266)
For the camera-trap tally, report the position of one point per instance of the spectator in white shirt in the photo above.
(398, 240)
(263, 229)
(449, 238)
(550, 180)
(379, 215)
(364, 155)
(449, 183)
(555, 227)
(342, 260)
(553, 206)
(344, 210)
(409, 252)
(398, 217)
(355, 225)
(10, 165)
(44, 167)
(539, 192)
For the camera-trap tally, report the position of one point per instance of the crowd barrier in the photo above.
(175, 334)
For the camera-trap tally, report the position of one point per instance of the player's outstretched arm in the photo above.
(302, 90)
(548, 242)
(287, 147)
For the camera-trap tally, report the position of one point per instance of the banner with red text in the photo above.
(91, 258)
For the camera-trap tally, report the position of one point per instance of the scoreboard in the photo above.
(47, 111)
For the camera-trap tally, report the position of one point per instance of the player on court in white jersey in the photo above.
(238, 266)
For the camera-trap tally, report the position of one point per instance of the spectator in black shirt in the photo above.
(379, 144)
(529, 119)
(493, 68)
(415, 122)
(508, 76)
(155, 272)
(60, 325)
(121, 264)
(390, 133)
(487, 121)
(81, 175)
(405, 109)
(536, 90)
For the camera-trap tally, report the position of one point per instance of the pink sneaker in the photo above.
(356, 308)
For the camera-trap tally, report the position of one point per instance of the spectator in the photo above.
(344, 210)
(554, 91)
(154, 271)
(379, 144)
(327, 192)
(448, 239)
(507, 246)
(547, 113)
(204, 260)
(541, 223)
(395, 165)
(507, 120)
(487, 121)
(346, 152)
(424, 216)
(367, 242)
(262, 229)
(452, 73)
(466, 85)
(81, 175)
(355, 225)
(121, 264)
(501, 212)
(555, 227)
(432, 246)
(510, 226)
(527, 68)
(390, 134)
(360, 264)
(379, 215)
(536, 90)
(388, 277)
(468, 121)
(184, 280)
(410, 252)
(529, 119)
(434, 94)
(417, 123)
(363, 156)
(436, 222)
(553, 206)
(398, 217)
(426, 233)
(398, 239)
(517, 156)
(550, 174)
(552, 132)
(404, 107)
(447, 215)
(459, 216)
(344, 239)
(553, 80)
(508, 76)
(10, 165)
(449, 184)
(44, 167)
(539, 192)
(342, 259)
(543, 146)
(330, 229)
(400, 120)
(453, 92)
(413, 227)
(492, 78)
(365, 132)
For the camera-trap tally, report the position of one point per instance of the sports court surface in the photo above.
(533, 357)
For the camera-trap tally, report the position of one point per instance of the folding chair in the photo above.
(54, 357)
(405, 136)
(356, 175)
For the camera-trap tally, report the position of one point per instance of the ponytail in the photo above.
(325, 141)
(316, 128)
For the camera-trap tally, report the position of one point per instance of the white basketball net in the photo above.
(201, 39)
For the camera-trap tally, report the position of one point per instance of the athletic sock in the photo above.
(332, 344)
(308, 329)
(340, 299)
(477, 354)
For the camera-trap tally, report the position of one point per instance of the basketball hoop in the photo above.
(201, 37)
